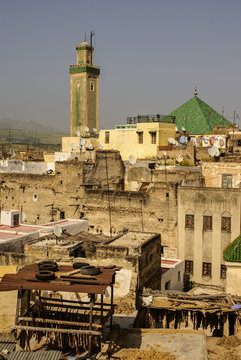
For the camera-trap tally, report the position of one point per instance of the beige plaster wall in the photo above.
(212, 173)
(207, 246)
(126, 140)
(233, 278)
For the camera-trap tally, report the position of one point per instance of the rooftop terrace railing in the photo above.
(151, 118)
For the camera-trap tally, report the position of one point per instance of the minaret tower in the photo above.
(84, 91)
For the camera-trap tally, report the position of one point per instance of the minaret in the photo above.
(84, 91)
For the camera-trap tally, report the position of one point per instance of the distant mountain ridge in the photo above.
(9, 124)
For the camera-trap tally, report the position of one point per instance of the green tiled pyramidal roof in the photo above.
(232, 253)
(197, 117)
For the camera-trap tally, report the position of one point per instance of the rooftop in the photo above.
(132, 239)
(25, 279)
(8, 232)
(197, 117)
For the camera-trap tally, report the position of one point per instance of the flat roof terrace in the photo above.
(132, 239)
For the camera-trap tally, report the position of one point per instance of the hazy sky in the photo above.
(151, 55)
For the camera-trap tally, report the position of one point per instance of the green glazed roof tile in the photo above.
(197, 117)
(232, 253)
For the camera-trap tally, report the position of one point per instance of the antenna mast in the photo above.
(91, 43)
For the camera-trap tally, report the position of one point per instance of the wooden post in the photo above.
(92, 302)
(101, 309)
(225, 325)
(18, 306)
(111, 315)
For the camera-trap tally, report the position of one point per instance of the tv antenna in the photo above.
(77, 133)
(91, 44)
(86, 129)
(94, 130)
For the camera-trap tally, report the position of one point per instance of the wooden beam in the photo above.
(59, 322)
(67, 331)
(73, 306)
(71, 301)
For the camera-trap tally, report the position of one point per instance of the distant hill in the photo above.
(9, 124)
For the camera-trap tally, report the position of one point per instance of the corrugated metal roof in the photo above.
(39, 355)
(25, 280)
(6, 344)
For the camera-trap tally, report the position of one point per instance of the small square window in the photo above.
(189, 221)
(226, 224)
(223, 271)
(189, 267)
(207, 223)
(207, 269)
(107, 137)
(226, 181)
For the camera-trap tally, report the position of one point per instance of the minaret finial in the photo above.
(195, 91)
(85, 37)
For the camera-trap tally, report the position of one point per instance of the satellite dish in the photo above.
(164, 153)
(132, 159)
(12, 153)
(87, 129)
(90, 146)
(179, 158)
(82, 142)
(172, 141)
(94, 130)
(183, 129)
(176, 128)
(213, 151)
(24, 216)
(57, 231)
(100, 146)
(78, 133)
(73, 146)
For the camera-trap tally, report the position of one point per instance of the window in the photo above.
(92, 86)
(153, 137)
(226, 181)
(207, 269)
(189, 222)
(207, 223)
(107, 137)
(189, 267)
(151, 257)
(223, 272)
(140, 137)
(15, 219)
(179, 276)
(226, 224)
(168, 285)
(62, 215)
